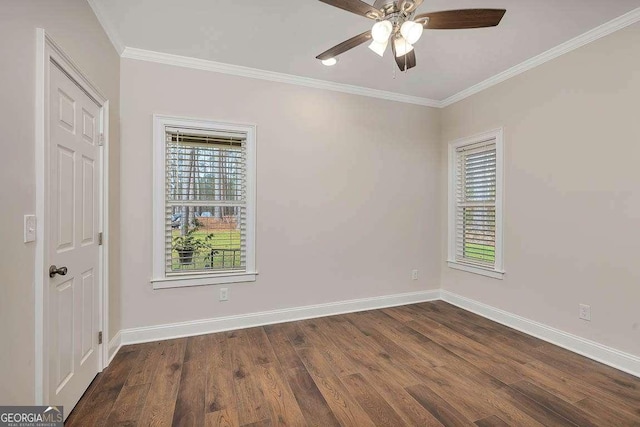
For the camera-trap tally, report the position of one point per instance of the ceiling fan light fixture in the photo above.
(381, 31)
(402, 46)
(379, 47)
(329, 62)
(411, 31)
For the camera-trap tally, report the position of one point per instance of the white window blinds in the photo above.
(475, 204)
(205, 201)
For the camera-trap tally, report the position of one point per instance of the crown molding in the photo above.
(254, 73)
(590, 36)
(201, 64)
(108, 28)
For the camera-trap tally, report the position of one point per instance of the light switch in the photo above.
(29, 228)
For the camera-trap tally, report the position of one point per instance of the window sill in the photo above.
(496, 274)
(202, 280)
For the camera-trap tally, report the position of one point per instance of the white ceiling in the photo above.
(286, 35)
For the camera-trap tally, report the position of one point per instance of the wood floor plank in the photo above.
(282, 347)
(224, 418)
(190, 403)
(343, 405)
(380, 412)
(401, 401)
(498, 344)
(558, 384)
(261, 423)
(250, 399)
(146, 364)
(398, 314)
(492, 421)
(604, 414)
(198, 347)
(312, 403)
(390, 346)
(581, 384)
(567, 410)
(541, 413)
(604, 377)
(427, 364)
(495, 364)
(282, 403)
(161, 399)
(365, 353)
(261, 350)
(295, 334)
(418, 315)
(438, 407)
(474, 393)
(340, 363)
(475, 326)
(128, 406)
(219, 392)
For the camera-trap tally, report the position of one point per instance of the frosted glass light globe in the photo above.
(402, 46)
(381, 31)
(411, 31)
(379, 47)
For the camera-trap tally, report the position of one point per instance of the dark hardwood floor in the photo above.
(426, 364)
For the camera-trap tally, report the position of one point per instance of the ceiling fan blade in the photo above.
(345, 46)
(409, 5)
(404, 62)
(461, 19)
(356, 6)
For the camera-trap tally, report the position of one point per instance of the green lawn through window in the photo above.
(480, 252)
(222, 239)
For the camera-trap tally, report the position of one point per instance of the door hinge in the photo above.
(100, 238)
(101, 139)
(100, 337)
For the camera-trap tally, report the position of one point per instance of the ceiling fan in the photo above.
(397, 23)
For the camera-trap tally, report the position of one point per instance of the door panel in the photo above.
(64, 327)
(66, 192)
(67, 111)
(88, 286)
(88, 126)
(73, 207)
(88, 212)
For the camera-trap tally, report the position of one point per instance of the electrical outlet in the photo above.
(224, 294)
(414, 275)
(585, 312)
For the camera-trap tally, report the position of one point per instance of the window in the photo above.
(204, 203)
(475, 204)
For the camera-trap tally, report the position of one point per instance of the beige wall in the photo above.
(347, 193)
(572, 201)
(73, 25)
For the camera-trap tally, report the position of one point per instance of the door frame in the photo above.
(47, 52)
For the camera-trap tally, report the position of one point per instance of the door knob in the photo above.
(53, 270)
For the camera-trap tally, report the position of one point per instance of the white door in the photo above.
(73, 313)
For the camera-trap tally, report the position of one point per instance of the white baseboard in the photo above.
(609, 356)
(114, 346)
(206, 326)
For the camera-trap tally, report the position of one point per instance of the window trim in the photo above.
(497, 271)
(159, 279)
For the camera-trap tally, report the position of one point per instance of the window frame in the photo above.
(497, 272)
(159, 279)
